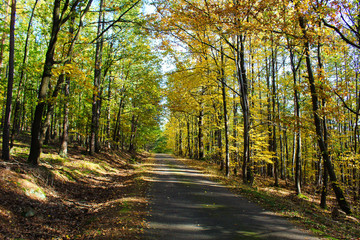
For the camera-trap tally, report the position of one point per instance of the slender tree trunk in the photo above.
(273, 100)
(324, 128)
(180, 140)
(134, 121)
(108, 115)
(65, 134)
(118, 122)
(223, 89)
(235, 145)
(270, 168)
(6, 130)
(95, 120)
(200, 135)
(17, 111)
(188, 137)
(319, 132)
(244, 101)
(297, 133)
(3, 35)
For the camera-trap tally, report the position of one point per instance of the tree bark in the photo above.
(95, 120)
(134, 122)
(6, 130)
(244, 102)
(3, 35)
(200, 136)
(273, 100)
(297, 132)
(223, 90)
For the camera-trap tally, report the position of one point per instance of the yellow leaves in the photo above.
(66, 69)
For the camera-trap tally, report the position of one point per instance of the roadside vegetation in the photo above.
(79, 197)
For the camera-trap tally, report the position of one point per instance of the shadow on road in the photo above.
(187, 205)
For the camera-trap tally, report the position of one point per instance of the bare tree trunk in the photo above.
(6, 130)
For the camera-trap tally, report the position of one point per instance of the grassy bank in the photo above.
(79, 197)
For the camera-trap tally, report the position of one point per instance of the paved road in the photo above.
(187, 205)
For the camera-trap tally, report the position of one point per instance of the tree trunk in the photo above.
(108, 115)
(223, 90)
(180, 140)
(188, 152)
(134, 121)
(4, 34)
(39, 127)
(200, 136)
(297, 132)
(17, 111)
(95, 120)
(6, 130)
(273, 100)
(319, 132)
(36, 143)
(65, 134)
(244, 102)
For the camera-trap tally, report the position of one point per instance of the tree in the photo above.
(321, 136)
(6, 131)
(59, 18)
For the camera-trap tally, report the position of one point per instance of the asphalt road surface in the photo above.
(187, 205)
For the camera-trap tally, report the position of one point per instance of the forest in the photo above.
(79, 71)
(263, 89)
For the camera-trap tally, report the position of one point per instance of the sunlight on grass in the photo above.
(20, 151)
(53, 159)
(87, 167)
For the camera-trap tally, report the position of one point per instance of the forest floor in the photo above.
(79, 197)
(303, 210)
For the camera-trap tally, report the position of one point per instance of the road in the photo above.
(187, 205)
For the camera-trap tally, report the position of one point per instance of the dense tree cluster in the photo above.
(264, 88)
(267, 88)
(82, 71)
